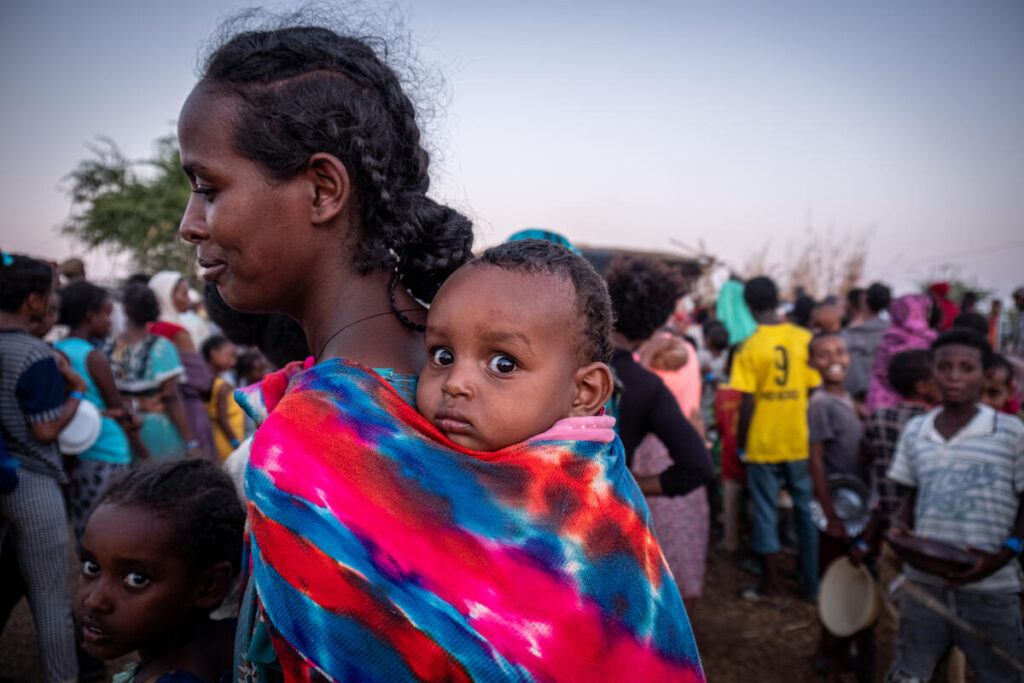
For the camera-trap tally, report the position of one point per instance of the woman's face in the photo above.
(254, 234)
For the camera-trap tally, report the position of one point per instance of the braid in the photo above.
(404, 319)
(305, 90)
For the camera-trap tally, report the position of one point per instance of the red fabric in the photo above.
(727, 414)
(165, 329)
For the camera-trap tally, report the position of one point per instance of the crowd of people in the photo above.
(463, 467)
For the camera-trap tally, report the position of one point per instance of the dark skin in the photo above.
(222, 359)
(960, 376)
(317, 282)
(97, 326)
(32, 312)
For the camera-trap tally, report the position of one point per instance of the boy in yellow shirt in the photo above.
(772, 373)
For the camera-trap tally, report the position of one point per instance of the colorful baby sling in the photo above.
(383, 552)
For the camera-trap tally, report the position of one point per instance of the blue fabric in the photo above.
(112, 444)
(40, 390)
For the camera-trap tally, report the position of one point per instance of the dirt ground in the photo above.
(738, 641)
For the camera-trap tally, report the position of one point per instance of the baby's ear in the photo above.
(213, 584)
(593, 389)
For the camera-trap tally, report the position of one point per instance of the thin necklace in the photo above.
(356, 322)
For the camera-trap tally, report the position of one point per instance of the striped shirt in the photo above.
(31, 391)
(968, 487)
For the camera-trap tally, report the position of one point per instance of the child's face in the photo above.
(830, 357)
(959, 374)
(42, 324)
(996, 391)
(134, 590)
(224, 357)
(99, 320)
(502, 355)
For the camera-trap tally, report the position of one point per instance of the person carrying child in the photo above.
(85, 310)
(160, 551)
(772, 373)
(38, 398)
(421, 558)
(964, 465)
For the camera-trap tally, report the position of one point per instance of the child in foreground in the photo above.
(964, 466)
(160, 551)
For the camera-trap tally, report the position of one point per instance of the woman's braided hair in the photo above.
(305, 90)
(199, 500)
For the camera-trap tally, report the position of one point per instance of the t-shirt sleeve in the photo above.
(743, 377)
(164, 360)
(819, 426)
(40, 391)
(1018, 463)
(904, 468)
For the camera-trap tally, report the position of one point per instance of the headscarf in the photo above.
(908, 330)
(163, 284)
(940, 290)
(732, 310)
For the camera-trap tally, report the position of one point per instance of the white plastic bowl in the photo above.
(848, 599)
(83, 430)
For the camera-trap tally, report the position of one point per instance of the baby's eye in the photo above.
(136, 580)
(502, 365)
(442, 356)
(90, 568)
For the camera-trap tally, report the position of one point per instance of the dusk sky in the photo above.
(617, 124)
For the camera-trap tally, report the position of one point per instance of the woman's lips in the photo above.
(212, 269)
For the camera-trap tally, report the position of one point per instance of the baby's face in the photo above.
(501, 356)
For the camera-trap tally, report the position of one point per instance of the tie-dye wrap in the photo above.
(383, 552)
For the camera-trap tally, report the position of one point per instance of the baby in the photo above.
(517, 345)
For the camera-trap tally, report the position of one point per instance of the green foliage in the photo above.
(132, 206)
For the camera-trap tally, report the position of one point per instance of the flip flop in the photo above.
(753, 595)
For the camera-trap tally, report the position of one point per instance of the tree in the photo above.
(132, 206)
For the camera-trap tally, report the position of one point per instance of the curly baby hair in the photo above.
(20, 277)
(592, 300)
(644, 292)
(199, 500)
(304, 90)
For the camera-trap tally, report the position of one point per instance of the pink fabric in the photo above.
(599, 428)
(681, 523)
(908, 330)
(684, 383)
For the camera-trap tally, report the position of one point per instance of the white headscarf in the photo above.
(163, 284)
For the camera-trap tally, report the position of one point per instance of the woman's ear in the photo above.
(212, 584)
(332, 189)
(593, 389)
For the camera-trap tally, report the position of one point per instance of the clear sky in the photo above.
(630, 123)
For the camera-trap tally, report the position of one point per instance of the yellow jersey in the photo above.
(772, 365)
